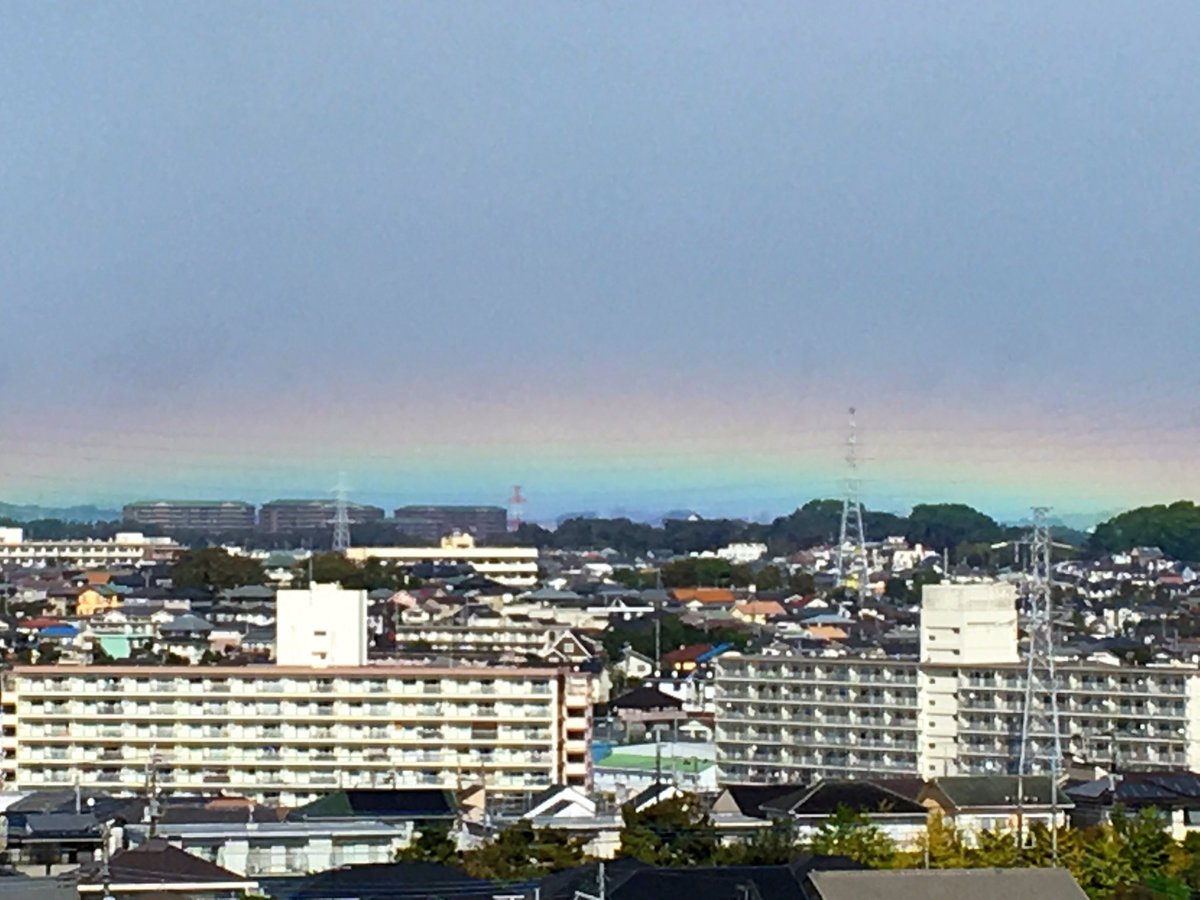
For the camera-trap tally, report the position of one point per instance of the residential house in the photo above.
(158, 869)
(901, 818)
(976, 803)
(95, 599)
(758, 612)
(1175, 795)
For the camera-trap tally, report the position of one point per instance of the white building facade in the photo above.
(287, 734)
(955, 710)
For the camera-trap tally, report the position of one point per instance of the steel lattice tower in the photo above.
(341, 518)
(852, 539)
(1041, 732)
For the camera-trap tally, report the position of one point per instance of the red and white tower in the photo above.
(516, 508)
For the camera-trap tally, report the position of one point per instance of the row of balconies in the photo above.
(346, 734)
(83, 709)
(819, 717)
(76, 686)
(848, 674)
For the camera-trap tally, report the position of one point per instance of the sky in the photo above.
(631, 256)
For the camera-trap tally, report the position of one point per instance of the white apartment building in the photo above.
(287, 734)
(324, 625)
(318, 720)
(955, 710)
(515, 566)
(125, 549)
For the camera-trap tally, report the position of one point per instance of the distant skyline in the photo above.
(638, 256)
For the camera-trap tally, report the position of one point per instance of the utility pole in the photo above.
(105, 871)
(1041, 734)
(658, 591)
(153, 810)
(852, 538)
(341, 517)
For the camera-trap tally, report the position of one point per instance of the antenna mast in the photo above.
(341, 517)
(852, 540)
(516, 509)
(1041, 734)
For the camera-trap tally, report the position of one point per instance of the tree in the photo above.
(215, 569)
(674, 832)
(1174, 529)
(771, 846)
(946, 525)
(1143, 843)
(521, 852)
(852, 834)
(768, 578)
(432, 844)
(942, 845)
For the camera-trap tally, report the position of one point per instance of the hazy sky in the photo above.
(627, 254)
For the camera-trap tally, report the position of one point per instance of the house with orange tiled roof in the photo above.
(758, 612)
(704, 597)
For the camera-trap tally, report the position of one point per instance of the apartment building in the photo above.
(191, 515)
(125, 549)
(514, 566)
(956, 709)
(287, 734)
(432, 523)
(311, 515)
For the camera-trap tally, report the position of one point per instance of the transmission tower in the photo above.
(341, 517)
(516, 509)
(852, 540)
(1041, 735)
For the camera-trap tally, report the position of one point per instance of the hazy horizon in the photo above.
(623, 255)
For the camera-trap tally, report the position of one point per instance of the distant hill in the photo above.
(29, 513)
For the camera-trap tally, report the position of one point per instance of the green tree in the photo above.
(852, 834)
(802, 583)
(771, 846)
(768, 578)
(942, 845)
(946, 525)
(1174, 529)
(675, 832)
(215, 569)
(521, 852)
(1143, 843)
(433, 844)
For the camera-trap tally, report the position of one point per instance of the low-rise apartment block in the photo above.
(513, 566)
(956, 709)
(125, 549)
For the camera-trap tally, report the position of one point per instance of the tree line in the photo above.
(956, 527)
(1129, 857)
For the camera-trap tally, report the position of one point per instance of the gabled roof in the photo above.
(186, 624)
(385, 881)
(158, 862)
(703, 595)
(1138, 789)
(825, 797)
(413, 803)
(635, 881)
(748, 798)
(690, 653)
(646, 697)
(967, 791)
(946, 884)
